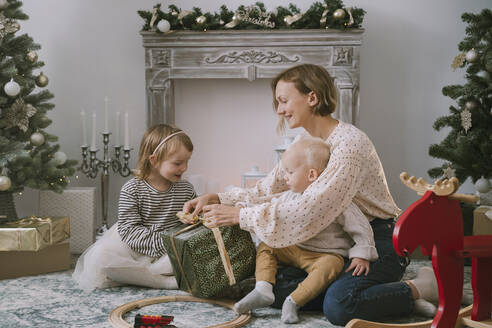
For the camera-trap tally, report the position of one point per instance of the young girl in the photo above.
(132, 251)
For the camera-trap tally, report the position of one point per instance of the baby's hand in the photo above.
(187, 218)
(359, 265)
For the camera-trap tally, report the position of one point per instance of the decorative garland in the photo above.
(331, 14)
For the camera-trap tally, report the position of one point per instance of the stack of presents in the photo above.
(34, 245)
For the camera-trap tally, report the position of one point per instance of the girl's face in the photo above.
(174, 166)
(293, 105)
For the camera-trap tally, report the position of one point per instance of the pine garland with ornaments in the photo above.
(329, 14)
(29, 156)
(467, 149)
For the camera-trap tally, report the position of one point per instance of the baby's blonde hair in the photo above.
(314, 151)
(151, 139)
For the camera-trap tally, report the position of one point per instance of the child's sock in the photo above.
(289, 311)
(261, 296)
(426, 284)
(425, 308)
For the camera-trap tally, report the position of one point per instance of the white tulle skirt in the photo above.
(109, 262)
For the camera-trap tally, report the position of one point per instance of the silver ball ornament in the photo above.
(471, 56)
(5, 183)
(163, 26)
(12, 88)
(32, 56)
(42, 80)
(37, 139)
(339, 14)
(482, 185)
(59, 158)
(484, 75)
(201, 19)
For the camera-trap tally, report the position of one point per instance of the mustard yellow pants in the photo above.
(322, 269)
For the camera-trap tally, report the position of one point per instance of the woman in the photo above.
(305, 96)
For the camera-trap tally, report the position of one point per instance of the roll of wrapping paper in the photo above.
(222, 251)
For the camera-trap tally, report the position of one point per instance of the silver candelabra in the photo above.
(90, 167)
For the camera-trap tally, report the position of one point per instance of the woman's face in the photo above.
(293, 105)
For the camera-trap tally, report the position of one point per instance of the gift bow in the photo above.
(226, 262)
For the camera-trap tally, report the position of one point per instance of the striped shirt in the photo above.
(144, 213)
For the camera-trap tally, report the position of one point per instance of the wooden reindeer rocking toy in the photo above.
(434, 222)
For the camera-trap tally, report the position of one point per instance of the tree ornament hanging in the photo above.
(471, 56)
(466, 119)
(32, 56)
(163, 26)
(11, 88)
(3, 4)
(18, 114)
(289, 20)
(483, 74)
(339, 14)
(458, 61)
(42, 80)
(37, 139)
(7, 25)
(201, 19)
(482, 185)
(59, 158)
(449, 172)
(471, 104)
(5, 183)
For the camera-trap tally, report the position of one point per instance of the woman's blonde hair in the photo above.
(307, 78)
(151, 139)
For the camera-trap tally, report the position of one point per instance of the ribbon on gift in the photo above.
(33, 222)
(226, 262)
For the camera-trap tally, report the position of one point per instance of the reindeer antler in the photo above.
(446, 187)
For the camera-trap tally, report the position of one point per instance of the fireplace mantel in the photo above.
(251, 55)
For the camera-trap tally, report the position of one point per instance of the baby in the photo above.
(322, 256)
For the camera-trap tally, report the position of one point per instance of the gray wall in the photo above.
(92, 49)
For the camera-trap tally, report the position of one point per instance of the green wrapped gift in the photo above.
(207, 261)
(33, 233)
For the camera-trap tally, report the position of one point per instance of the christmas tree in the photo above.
(28, 155)
(467, 149)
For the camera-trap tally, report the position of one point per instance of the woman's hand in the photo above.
(359, 265)
(196, 205)
(220, 215)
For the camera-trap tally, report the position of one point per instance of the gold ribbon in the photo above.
(222, 251)
(323, 15)
(154, 17)
(25, 223)
(351, 18)
(289, 20)
(183, 14)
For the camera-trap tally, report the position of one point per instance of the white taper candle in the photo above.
(117, 130)
(106, 123)
(93, 143)
(127, 133)
(84, 128)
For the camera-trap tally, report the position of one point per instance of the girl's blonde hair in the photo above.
(151, 139)
(307, 78)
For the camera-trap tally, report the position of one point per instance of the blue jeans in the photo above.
(370, 297)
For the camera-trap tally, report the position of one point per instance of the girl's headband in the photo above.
(166, 139)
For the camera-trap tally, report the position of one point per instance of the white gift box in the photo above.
(80, 204)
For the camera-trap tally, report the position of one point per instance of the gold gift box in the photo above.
(33, 233)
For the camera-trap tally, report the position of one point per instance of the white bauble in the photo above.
(163, 26)
(11, 88)
(5, 183)
(482, 185)
(471, 104)
(3, 4)
(37, 139)
(471, 56)
(483, 75)
(59, 158)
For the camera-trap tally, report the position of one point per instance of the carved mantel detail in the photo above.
(248, 54)
(252, 57)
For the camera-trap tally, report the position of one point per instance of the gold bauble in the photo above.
(201, 20)
(42, 80)
(339, 14)
(32, 56)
